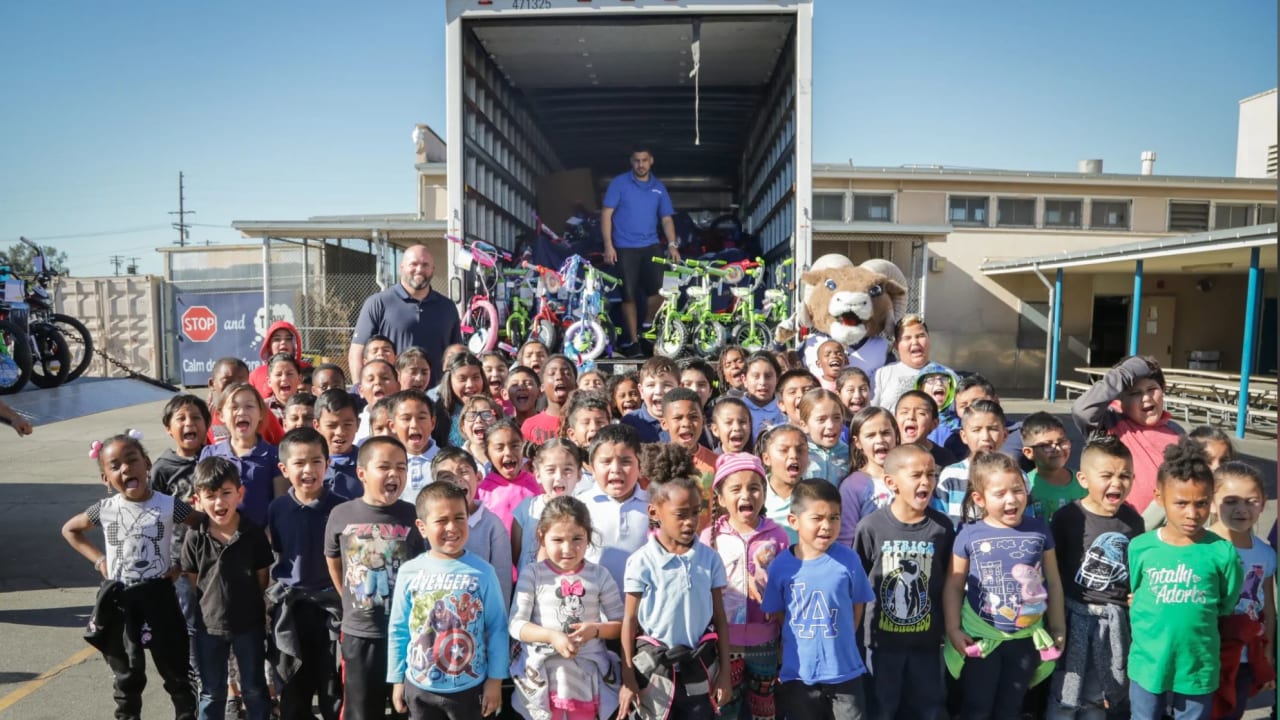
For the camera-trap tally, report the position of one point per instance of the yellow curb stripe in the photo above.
(36, 683)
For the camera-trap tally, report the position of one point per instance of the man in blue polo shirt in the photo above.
(410, 313)
(633, 206)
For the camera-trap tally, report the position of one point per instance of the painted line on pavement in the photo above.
(41, 680)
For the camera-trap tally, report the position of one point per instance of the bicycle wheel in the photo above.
(546, 332)
(79, 342)
(15, 364)
(733, 274)
(671, 338)
(483, 319)
(587, 337)
(51, 360)
(752, 336)
(708, 338)
(517, 329)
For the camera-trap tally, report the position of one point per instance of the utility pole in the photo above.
(182, 214)
(117, 261)
(132, 267)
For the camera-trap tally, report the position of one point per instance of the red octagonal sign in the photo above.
(199, 323)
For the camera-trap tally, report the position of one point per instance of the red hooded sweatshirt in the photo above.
(258, 378)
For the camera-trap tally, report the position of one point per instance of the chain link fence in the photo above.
(319, 287)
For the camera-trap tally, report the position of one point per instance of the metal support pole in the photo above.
(1055, 341)
(1251, 305)
(1135, 322)
(266, 283)
(306, 297)
(1048, 337)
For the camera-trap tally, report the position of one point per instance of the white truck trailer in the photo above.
(721, 90)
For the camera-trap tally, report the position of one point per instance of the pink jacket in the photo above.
(746, 559)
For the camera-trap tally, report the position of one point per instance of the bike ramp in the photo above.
(81, 397)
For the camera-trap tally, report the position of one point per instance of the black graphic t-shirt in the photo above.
(1093, 552)
(907, 565)
(373, 541)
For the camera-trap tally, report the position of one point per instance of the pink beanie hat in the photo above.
(730, 463)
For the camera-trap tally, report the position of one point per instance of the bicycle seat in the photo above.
(775, 294)
(741, 292)
(698, 292)
(669, 292)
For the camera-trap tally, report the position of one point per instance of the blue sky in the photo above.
(284, 110)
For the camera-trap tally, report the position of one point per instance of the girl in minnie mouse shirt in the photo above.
(565, 608)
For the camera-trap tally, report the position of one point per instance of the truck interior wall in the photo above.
(504, 151)
(769, 166)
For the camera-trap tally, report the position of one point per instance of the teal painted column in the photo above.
(1135, 323)
(1251, 307)
(1055, 327)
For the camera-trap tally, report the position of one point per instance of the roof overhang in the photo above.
(400, 231)
(1217, 252)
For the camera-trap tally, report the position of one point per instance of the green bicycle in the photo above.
(695, 325)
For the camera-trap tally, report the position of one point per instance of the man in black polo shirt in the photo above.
(410, 313)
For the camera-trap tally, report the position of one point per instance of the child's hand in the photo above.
(753, 592)
(564, 645)
(101, 566)
(628, 694)
(724, 686)
(959, 640)
(1059, 637)
(582, 632)
(1130, 600)
(397, 698)
(490, 700)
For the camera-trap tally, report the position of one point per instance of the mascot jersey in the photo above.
(870, 354)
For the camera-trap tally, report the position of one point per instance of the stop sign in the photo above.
(199, 323)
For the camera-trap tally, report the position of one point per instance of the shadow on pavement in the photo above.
(33, 555)
(65, 617)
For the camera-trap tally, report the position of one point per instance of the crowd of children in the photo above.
(746, 541)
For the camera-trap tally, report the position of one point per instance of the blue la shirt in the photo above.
(637, 207)
(818, 596)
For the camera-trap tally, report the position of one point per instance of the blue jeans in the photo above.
(250, 652)
(1151, 706)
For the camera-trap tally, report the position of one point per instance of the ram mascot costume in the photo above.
(855, 305)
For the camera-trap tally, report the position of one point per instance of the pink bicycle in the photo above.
(480, 326)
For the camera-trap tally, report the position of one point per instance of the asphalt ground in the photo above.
(47, 672)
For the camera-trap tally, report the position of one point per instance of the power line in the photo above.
(100, 233)
(117, 261)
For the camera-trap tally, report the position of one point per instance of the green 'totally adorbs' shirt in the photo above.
(1179, 592)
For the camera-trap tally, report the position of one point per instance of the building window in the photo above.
(1016, 212)
(828, 206)
(877, 208)
(968, 211)
(1063, 213)
(1032, 322)
(1231, 216)
(1266, 214)
(1188, 216)
(1109, 215)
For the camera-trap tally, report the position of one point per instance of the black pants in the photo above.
(425, 705)
(318, 674)
(825, 701)
(691, 707)
(364, 678)
(993, 687)
(908, 684)
(170, 645)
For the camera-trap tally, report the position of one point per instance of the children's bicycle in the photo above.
(592, 333)
(480, 323)
(668, 332)
(545, 324)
